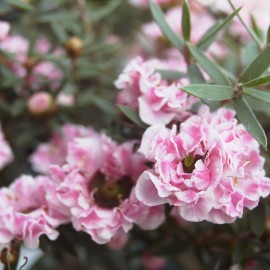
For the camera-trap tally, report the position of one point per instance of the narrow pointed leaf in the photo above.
(259, 95)
(209, 92)
(186, 25)
(257, 219)
(165, 28)
(131, 114)
(20, 4)
(257, 67)
(257, 81)
(208, 66)
(194, 74)
(211, 33)
(249, 120)
(268, 36)
(171, 74)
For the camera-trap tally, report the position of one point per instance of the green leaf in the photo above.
(186, 25)
(268, 36)
(209, 92)
(165, 28)
(257, 67)
(241, 251)
(131, 114)
(211, 33)
(59, 32)
(249, 120)
(259, 95)
(209, 67)
(194, 74)
(99, 14)
(20, 4)
(257, 219)
(257, 81)
(171, 74)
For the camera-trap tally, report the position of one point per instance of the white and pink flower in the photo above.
(24, 212)
(210, 170)
(156, 100)
(55, 151)
(95, 189)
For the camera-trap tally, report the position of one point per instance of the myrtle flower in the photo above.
(55, 151)
(95, 189)
(211, 169)
(157, 100)
(25, 215)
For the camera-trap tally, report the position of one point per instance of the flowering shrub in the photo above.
(134, 134)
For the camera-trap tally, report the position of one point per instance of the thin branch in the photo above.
(82, 6)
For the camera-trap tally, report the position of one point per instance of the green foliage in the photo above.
(209, 92)
(165, 28)
(186, 24)
(249, 120)
(211, 33)
(208, 66)
(257, 67)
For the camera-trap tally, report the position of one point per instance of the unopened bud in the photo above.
(41, 103)
(74, 46)
(29, 63)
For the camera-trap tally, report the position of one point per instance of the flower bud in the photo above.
(74, 46)
(29, 63)
(41, 103)
(9, 256)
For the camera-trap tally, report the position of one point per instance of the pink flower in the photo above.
(95, 189)
(6, 155)
(210, 170)
(4, 29)
(201, 21)
(157, 100)
(66, 100)
(40, 103)
(55, 152)
(43, 72)
(24, 212)
(258, 9)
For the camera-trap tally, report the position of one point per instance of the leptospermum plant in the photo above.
(134, 149)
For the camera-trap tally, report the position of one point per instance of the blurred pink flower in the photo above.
(55, 151)
(210, 170)
(259, 10)
(201, 21)
(65, 100)
(40, 103)
(42, 72)
(24, 212)
(4, 30)
(6, 155)
(156, 100)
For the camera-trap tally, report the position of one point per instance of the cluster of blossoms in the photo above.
(205, 165)
(38, 75)
(20, 62)
(92, 187)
